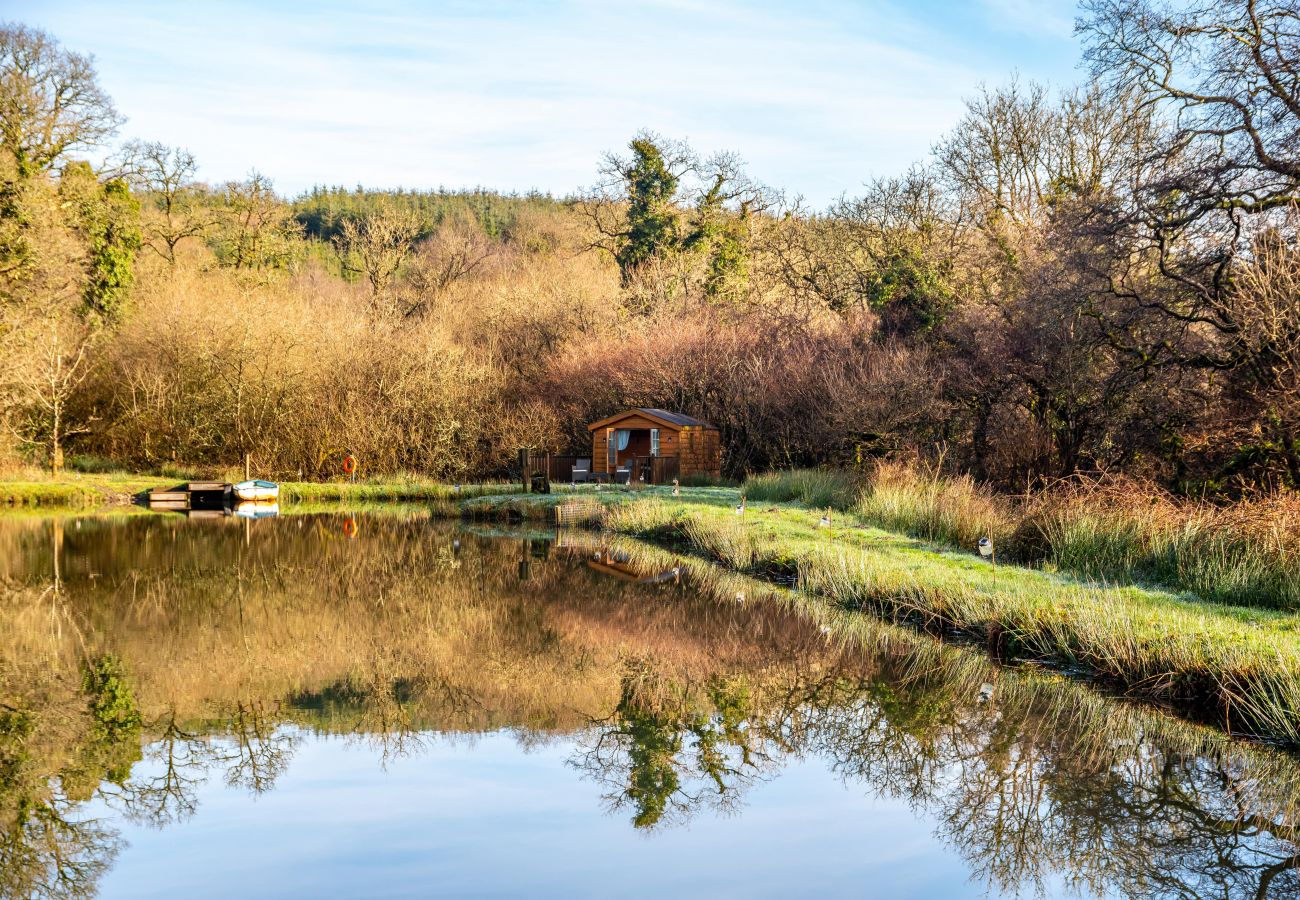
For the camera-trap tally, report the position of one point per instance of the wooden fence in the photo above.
(537, 469)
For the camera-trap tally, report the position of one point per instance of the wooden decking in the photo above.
(191, 495)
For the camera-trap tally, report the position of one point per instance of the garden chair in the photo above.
(581, 471)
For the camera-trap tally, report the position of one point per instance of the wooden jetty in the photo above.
(191, 495)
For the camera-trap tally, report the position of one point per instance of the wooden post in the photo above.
(248, 467)
(523, 467)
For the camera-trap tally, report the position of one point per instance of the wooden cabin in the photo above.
(654, 445)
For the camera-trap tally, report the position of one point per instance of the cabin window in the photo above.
(611, 449)
(654, 441)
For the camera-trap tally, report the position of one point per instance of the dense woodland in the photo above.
(1097, 279)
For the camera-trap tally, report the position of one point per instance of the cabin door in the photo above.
(611, 450)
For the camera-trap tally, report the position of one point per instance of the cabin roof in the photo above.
(674, 420)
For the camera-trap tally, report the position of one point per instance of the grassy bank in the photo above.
(1222, 662)
(1122, 531)
(76, 490)
(402, 488)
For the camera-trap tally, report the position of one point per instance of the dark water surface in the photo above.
(386, 705)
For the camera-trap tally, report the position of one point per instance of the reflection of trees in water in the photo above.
(1170, 823)
(247, 746)
(47, 847)
(692, 700)
(670, 749)
(45, 851)
(1025, 788)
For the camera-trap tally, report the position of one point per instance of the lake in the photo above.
(385, 704)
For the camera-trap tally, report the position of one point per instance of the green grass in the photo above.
(401, 488)
(36, 493)
(76, 489)
(1247, 554)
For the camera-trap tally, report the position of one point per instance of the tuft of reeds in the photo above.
(919, 501)
(1113, 529)
(816, 488)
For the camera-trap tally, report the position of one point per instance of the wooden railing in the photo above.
(654, 469)
(537, 469)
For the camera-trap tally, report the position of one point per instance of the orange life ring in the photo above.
(349, 465)
(350, 527)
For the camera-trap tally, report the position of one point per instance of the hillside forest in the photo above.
(1087, 280)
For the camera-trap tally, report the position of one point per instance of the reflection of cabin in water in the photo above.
(600, 557)
(654, 445)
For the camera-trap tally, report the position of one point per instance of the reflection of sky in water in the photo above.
(490, 818)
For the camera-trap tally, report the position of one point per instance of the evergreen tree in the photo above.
(652, 214)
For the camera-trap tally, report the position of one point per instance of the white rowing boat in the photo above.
(257, 490)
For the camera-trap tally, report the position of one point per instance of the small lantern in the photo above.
(986, 547)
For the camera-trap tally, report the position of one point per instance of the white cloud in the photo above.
(816, 96)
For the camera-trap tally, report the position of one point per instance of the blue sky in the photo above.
(817, 96)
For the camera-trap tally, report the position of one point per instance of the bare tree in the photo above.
(1225, 79)
(166, 174)
(50, 100)
(257, 228)
(453, 253)
(48, 379)
(1228, 73)
(377, 243)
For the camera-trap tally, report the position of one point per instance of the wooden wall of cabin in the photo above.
(701, 452)
(669, 441)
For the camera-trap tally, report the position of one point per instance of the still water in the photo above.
(387, 705)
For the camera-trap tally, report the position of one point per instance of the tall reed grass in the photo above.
(1246, 554)
(816, 488)
(920, 502)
